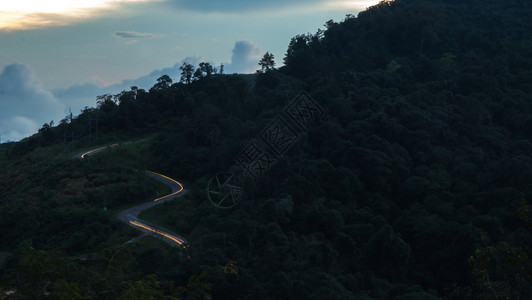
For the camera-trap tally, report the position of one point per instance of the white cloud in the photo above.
(16, 128)
(245, 58)
(24, 104)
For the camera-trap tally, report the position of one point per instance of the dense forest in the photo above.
(414, 183)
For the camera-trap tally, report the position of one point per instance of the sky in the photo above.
(58, 55)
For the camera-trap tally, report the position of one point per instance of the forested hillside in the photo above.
(415, 183)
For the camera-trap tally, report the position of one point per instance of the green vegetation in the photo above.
(415, 184)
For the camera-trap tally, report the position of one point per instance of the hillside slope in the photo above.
(413, 184)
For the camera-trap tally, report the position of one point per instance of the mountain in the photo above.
(402, 172)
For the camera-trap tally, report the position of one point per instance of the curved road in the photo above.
(129, 215)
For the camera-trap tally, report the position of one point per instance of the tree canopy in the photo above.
(413, 184)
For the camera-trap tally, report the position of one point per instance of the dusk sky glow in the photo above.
(62, 54)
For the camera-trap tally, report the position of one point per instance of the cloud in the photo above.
(24, 104)
(30, 14)
(133, 35)
(245, 58)
(17, 127)
(239, 5)
(147, 81)
(79, 96)
(356, 5)
(246, 55)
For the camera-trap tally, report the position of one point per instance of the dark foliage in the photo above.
(415, 184)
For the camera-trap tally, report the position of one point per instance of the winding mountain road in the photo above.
(130, 215)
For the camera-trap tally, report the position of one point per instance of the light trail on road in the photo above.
(173, 185)
(97, 149)
(156, 231)
(174, 193)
